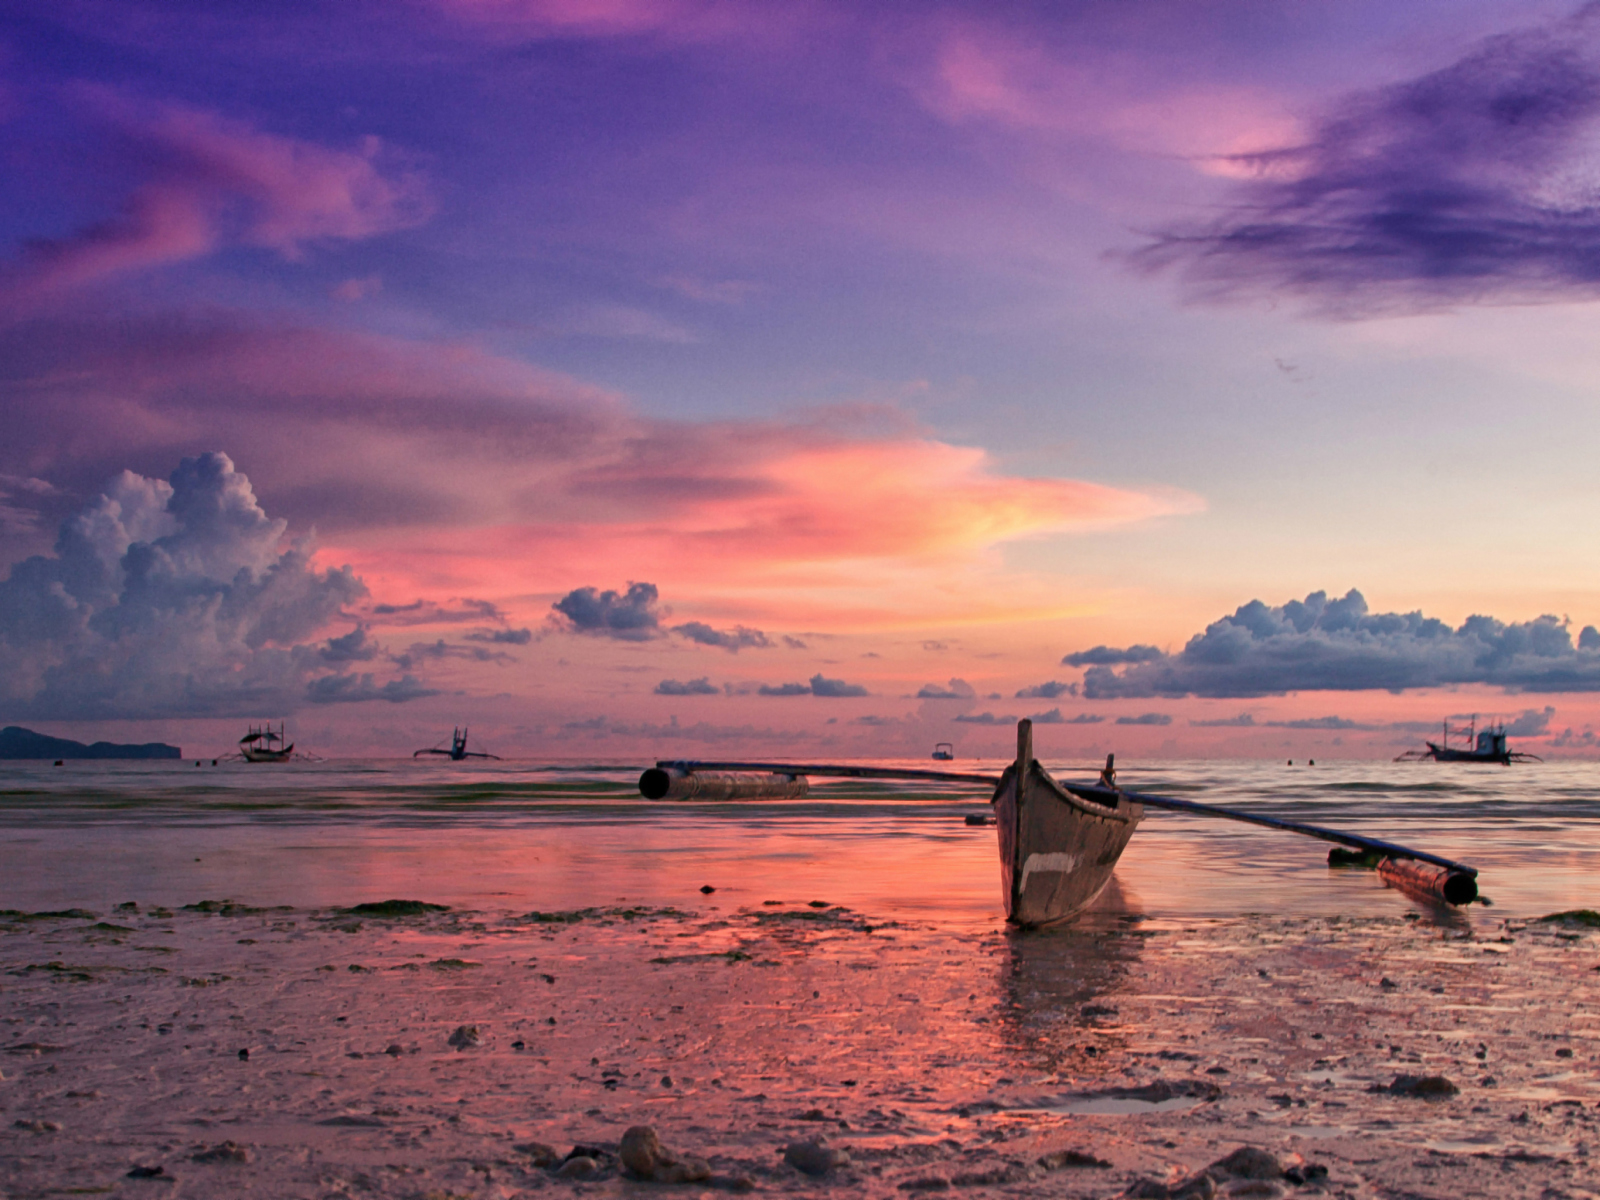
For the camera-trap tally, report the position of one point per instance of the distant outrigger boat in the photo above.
(1484, 746)
(257, 745)
(458, 748)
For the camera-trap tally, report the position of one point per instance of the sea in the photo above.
(551, 836)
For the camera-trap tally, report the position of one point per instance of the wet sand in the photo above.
(433, 1056)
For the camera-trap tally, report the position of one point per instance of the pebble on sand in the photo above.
(581, 1167)
(542, 1154)
(224, 1152)
(644, 1157)
(466, 1037)
(1429, 1087)
(814, 1157)
(1248, 1171)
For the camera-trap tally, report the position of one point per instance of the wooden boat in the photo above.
(257, 745)
(1058, 846)
(1059, 843)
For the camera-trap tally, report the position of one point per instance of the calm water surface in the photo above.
(520, 836)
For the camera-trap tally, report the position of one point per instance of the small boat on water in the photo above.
(458, 748)
(944, 752)
(1058, 845)
(265, 745)
(1487, 745)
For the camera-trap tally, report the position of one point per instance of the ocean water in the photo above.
(518, 836)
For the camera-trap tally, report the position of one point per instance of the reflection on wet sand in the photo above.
(1059, 985)
(402, 1051)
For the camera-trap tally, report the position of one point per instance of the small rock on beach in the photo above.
(814, 1157)
(644, 1157)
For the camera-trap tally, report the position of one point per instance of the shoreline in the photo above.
(936, 1058)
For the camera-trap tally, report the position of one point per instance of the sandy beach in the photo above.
(225, 1050)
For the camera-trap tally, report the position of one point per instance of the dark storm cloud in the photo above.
(734, 639)
(1149, 718)
(1047, 691)
(958, 689)
(1107, 656)
(176, 599)
(1336, 645)
(1472, 183)
(631, 616)
(694, 687)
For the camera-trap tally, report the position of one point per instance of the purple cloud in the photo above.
(732, 640)
(1468, 184)
(631, 616)
(1337, 645)
(176, 598)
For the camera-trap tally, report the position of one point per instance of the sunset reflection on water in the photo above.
(513, 837)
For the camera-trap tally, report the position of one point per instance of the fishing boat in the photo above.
(1058, 845)
(944, 751)
(458, 748)
(1486, 745)
(265, 744)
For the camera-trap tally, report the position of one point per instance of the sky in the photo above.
(694, 378)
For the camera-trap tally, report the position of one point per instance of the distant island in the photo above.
(17, 742)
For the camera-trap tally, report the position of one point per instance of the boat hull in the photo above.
(1057, 850)
(251, 754)
(1445, 754)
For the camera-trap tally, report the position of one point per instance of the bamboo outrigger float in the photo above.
(1059, 843)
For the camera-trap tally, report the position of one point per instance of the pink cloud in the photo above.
(985, 73)
(673, 20)
(206, 182)
(441, 469)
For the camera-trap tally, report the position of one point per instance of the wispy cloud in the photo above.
(732, 640)
(956, 689)
(201, 182)
(1047, 691)
(1474, 183)
(694, 687)
(1149, 718)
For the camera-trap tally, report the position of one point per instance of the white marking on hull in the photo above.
(1048, 864)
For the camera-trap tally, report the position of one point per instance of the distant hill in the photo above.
(17, 742)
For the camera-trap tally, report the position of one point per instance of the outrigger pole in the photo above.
(1455, 883)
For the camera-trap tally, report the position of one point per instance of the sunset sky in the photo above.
(681, 378)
